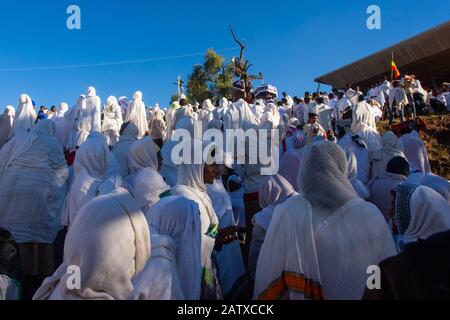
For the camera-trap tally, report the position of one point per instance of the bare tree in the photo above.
(242, 66)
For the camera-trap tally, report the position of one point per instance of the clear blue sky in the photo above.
(291, 41)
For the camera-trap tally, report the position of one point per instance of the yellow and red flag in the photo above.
(395, 72)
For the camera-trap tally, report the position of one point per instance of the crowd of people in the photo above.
(93, 205)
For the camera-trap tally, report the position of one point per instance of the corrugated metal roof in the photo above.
(408, 56)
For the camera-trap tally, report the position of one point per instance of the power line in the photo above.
(106, 64)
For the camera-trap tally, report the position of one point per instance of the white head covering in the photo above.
(438, 184)
(323, 176)
(10, 111)
(136, 114)
(91, 92)
(25, 116)
(208, 105)
(147, 184)
(420, 213)
(106, 228)
(359, 187)
(177, 218)
(274, 190)
(93, 157)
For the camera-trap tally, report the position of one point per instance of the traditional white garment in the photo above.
(158, 127)
(323, 112)
(359, 187)
(6, 123)
(58, 118)
(342, 105)
(239, 116)
(8, 289)
(25, 116)
(122, 148)
(397, 95)
(137, 115)
(107, 228)
(33, 172)
(123, 103)
(320, 246)
(92, 110)
(90, 168)
(358, 147)
(79, 135)
(438, 184)
(274, 191)
(229, 259)
(174, 269)
(112, 121)
(415, 152)
(392, 147)
(145, 182)
(72, 123)
(363, 124)
(420, 213)
(168, 169)
(192, 186)
(237, 200)
(205, 115)
(380, 191)
(290, 165)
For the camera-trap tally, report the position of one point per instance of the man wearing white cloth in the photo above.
(136, 114)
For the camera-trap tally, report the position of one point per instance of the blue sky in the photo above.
(290, 41)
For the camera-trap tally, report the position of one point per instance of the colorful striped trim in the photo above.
(295, 282)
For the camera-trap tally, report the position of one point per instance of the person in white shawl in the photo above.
(438, 184)
(109, 243)
(71, 123)
(392, 147)
(359, 187)
(168, 169)
(219, 112)
(274, 191)
(320, 246)
(123, 103)
(363, 124)
(6, 123)
(58, 118)
(174, 270)
(192, 180)
(92, 110)
(25, 116)
(112, 121)
(33, 172)
(420, 212)
(136, 114)
(415, 152)
(129, 134)
(354, 144)
(146, 184)
(229, 259)
(205, 114)
(89, 178)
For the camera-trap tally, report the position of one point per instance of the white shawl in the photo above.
(108, 227)
(25, 116)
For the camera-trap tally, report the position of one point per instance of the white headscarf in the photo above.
(108, 227)
(392, 147)
(177, 218)
(122, 148)
(137, 115)
(438, 184)
(6, 123)
(420, 213)
(25, 116)
(147, 184)
(192, 186)
(92, 109)
(359, 187)
(323, 176)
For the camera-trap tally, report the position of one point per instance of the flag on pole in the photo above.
(395, 72)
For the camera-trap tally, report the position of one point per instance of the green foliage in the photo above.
(212, 80)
